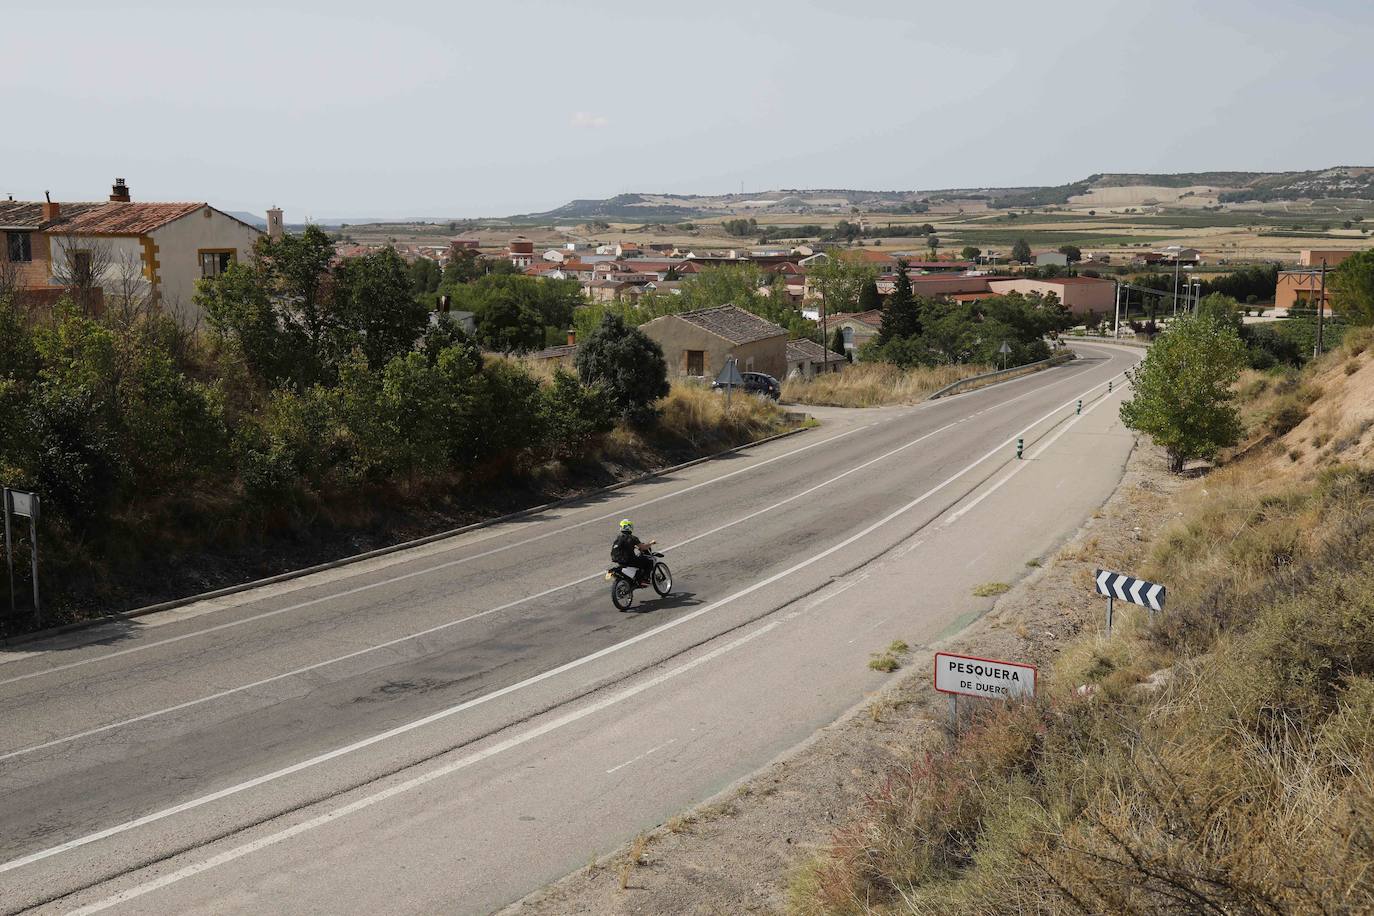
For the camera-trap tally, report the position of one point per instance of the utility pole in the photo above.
(825, 340)
(1116, 324)
(1178, 251)
(1321, 303)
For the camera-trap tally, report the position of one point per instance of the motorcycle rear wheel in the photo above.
(622, 595)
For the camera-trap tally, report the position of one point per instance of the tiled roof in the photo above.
(872, 317)
(118, 218)
(28, 214)
(564, 352)
(802, 348)
(733, 323)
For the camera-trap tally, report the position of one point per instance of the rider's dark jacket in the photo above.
(623, 548)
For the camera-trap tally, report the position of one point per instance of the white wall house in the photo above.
(174, 245)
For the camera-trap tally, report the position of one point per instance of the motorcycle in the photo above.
(625, 580)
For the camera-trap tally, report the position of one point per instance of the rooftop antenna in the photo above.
(47, 197)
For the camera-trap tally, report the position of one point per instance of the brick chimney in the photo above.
(120, 192)
(51, 211)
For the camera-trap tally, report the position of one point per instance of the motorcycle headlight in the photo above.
(609, 577)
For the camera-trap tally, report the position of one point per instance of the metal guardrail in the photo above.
(1120, 341)
(953, 388)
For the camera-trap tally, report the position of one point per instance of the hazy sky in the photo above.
(492, 108)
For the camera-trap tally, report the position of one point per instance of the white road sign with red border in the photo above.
(970, 676)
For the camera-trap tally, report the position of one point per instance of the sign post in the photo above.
(729, 377)
(1003, 351)
(970, 676)
(18, 502)
(1148, 595)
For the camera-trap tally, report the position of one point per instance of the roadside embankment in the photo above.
(1218, 758)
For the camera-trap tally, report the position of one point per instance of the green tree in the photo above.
(1072, 252)
(933, 243)
(970, 253)
(837, 344)
(628, 365)
(838, 282)
(425, 276)
(375, 303)
(901, 315)
(1183, 390)
(1021, 251)
(868, 296)
(508, 323)
(297, 268)
(1351, 287)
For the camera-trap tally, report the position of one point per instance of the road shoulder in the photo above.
(736, 852)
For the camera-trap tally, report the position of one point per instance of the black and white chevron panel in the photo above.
(1125, 588)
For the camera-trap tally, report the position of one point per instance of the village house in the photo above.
(153, 250)
(1044, 258)
(1302, 289)
(697, 344)
(807, 359)
(858, 329)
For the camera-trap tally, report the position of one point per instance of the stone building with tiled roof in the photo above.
(697, 344)
(154, 249)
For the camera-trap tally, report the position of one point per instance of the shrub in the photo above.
(627, 365)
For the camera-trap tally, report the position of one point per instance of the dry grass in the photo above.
(874, 385)
(1218, 759)
(700, 416)
(990, 589)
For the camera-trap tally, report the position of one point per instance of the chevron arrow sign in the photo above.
(1124, 588)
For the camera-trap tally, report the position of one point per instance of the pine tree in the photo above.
(837, 344)
(901, 316)
(869, 299)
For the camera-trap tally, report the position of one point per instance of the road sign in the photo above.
(1125, 588)
(21, 503)
(24, 505)
(730, 374)
(970, 676)
(1004, 349)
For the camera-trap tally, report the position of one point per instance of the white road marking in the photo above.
(157, 713)
(639, 757)
(442, 714)
(416, 782)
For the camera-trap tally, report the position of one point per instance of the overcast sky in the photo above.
(469, 109)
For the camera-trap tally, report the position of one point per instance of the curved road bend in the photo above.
(451, 726)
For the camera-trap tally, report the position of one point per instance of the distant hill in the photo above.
(251, 219)
(1342, 182)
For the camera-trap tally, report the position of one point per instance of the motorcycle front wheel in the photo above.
(622, 595)
(662, 579)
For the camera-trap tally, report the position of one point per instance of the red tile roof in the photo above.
(116, 218)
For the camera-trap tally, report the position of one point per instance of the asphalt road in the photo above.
(450, 727)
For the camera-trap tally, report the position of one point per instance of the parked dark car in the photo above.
(757, 383)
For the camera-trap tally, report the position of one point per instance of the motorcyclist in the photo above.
(628, 550)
